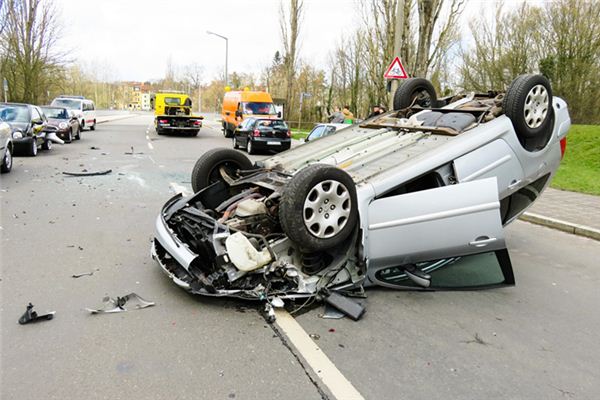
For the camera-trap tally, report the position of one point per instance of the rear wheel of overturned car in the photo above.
(528, 104)
(7, 160)
(415, 91)
(318, 208)
(208, 167)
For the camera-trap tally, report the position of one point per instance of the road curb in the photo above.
(575, 229)
(114, 118)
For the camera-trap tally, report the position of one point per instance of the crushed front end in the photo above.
(226, 240)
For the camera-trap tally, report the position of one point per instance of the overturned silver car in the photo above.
(413, 199)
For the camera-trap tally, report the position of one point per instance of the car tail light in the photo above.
(563, 147)
(163, 121)
(256, 133)
(289, 133)
(198, 122)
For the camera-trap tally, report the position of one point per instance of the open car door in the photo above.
(449, 237)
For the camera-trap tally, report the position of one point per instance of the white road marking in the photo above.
(177, 188)
(147, 137)
(152, 159)
(324, 368)
(150, 146)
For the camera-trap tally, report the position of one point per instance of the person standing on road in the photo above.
(336, 116)
(348, 116)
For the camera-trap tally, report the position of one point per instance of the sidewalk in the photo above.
(571, 212)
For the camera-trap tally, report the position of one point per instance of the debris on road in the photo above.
(85, 273)
(105, 172)
(331, 312)
(94, 148)
(118, 305)
(350, 307)
(32, 316)
(132, 152)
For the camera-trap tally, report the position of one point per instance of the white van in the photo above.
(84, 108)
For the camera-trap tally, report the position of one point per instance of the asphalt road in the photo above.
(536, 340)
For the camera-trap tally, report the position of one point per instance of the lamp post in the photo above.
(226, 53)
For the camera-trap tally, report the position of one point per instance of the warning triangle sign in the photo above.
(395, 70)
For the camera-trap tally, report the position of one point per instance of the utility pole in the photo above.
(397, 46)
(226, 53)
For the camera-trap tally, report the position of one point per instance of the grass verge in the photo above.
(579, 171)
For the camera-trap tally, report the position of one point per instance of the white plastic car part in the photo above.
(243, 254)
(248, 207)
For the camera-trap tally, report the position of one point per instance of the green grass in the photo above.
(579, 171)
(300, 133)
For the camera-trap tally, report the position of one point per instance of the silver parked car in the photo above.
(6, 147)
(416, 198)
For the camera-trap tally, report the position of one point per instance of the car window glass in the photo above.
(58, 113)
(261, 108)
(329, 130)
(316, 133)
(14, 113)
(68, 103)
(35, 115)
(484, 269)
(271, 124)
(172, 101)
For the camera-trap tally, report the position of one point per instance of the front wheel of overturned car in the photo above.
(7, 161)
(208, 167)
(415, 91)
(528, 104)
(318, 208)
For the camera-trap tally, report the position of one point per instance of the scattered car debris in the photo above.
(94, 148)
(330, 312)
(132, 152)
(346, 305)
(314, 336)
(32, 316)
(85, 173)
(85, 273)
(119, 304)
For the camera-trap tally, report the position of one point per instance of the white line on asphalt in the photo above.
(325, 369)
(147, 137)
(177, 188)
(150, 146)
(152, 159)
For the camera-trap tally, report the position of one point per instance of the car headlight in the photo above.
(63, 125)
(17, 135)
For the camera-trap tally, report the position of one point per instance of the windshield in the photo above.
(14, 113)
(259, 108)
(58, 113)
(68, 103)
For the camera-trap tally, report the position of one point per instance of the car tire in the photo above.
(250, 147)
(7, 161)
(235, 143)
(33, 149)
(93, 127)
(419, 91)
(78, 134)
(228, 133)
(47, 145)
(206, 170)
(69, 138)
(318, 208)
(528, 104)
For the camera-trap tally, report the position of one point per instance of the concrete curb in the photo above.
(569, 227)
(115, 118)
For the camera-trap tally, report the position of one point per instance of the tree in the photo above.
(30, 58)
(289, 23)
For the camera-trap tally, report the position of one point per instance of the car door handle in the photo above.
(482, 241)
(514, 183)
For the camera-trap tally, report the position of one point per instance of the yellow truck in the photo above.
(173, 114)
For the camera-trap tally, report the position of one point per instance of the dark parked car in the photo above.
(6, 147)
(64, 122)
(256, 134)
(28, 124)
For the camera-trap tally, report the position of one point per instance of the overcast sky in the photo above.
(134, 39)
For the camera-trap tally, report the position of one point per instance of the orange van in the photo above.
(238, 105)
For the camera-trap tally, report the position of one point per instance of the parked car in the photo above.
(64, 122)
(28, 125)
(414, 199)
(322, 130)
(85, 109)
(261, 134)
(6, 147)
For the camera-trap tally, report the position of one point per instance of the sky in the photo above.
(135, 39)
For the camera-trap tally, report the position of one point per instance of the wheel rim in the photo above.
(249, 147)
(215, 173)
(48, 145)
(536, 106)
(422, 97)
(34, 146)
(7, 159)
(326, 209)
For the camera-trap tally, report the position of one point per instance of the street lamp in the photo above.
(226, 52)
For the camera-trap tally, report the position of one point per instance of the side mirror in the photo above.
(278, 114)
(238, 113)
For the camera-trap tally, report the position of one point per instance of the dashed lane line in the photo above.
(150, 146)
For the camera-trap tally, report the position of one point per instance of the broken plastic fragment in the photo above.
(277, 302)
(132, 300)
(32, 316)
(243, 254)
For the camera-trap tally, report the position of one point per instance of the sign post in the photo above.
(5, 84)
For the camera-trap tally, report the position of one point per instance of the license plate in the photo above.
(273, 143)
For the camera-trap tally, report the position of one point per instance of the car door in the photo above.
(448, 221)
(37, 121)
(242, 131)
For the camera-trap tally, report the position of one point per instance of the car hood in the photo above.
(55, 121)
(22, 126)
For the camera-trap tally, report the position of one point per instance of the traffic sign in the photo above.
(396, 70)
